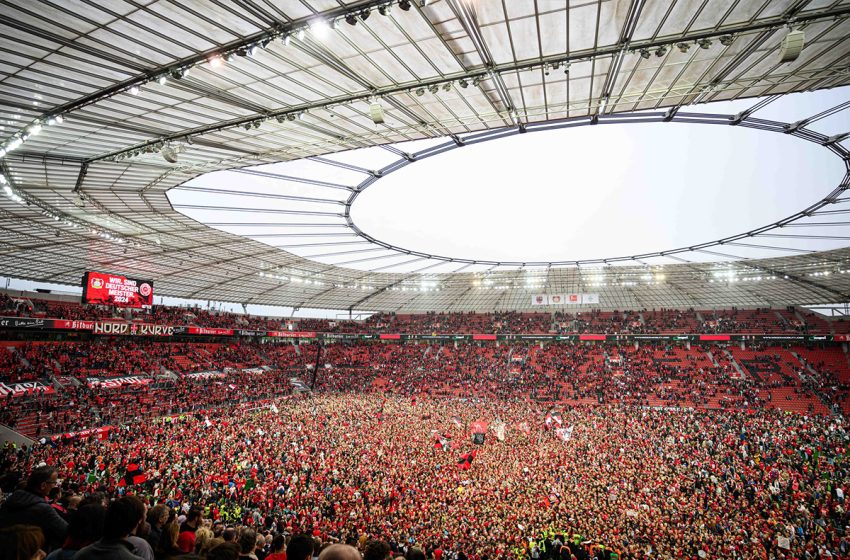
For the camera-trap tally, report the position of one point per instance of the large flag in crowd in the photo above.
(464, 462)
(565, 434)
(133, 475)
(441, 441)
(499, 429)
(553, 419)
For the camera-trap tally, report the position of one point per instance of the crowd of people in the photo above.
(109, 380)
(156, 449)
(622, 480)
(647, 321)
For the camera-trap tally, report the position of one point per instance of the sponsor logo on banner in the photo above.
(254, 370)
(115, 382)
(291, 334)
(23, 322)
(132, 329)
(591, 299)
(564, 299)
(73, 325)
(24, 388)
(540, 299)
(214, 374)
(212, 331)
(338, 336)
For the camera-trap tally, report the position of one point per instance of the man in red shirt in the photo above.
(186, 539)
(278, 548)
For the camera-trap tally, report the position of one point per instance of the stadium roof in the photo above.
(96, 95)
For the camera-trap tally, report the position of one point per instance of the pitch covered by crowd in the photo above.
(642, 482)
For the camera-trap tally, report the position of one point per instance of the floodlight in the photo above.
(791, 45)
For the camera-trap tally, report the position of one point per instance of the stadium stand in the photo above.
(481, 397)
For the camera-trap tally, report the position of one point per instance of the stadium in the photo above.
(424, 279)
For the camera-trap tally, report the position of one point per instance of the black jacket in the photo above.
(24, 507)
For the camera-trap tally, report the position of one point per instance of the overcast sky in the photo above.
(581, 193)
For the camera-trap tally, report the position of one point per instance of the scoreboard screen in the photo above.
(120, 291)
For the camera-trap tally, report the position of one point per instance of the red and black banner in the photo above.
(464, 462)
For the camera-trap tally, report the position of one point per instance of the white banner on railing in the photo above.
(564, 299)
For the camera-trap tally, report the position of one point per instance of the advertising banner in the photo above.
(213, 374)
(564, 299)
(291, 334)
(24, 388)
(209, 331)
(115, 382)
(23, 323)
(132, 329)
(73, 325)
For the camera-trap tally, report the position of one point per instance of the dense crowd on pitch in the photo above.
(645, 483)
(500, 322)
(656, 375)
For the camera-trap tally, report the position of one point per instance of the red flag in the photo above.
(465, 460)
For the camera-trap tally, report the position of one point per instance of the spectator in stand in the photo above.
(122, 517)
(278, 548)
(340, 552)
(85, 526)
(377, 550)
(414, 553)
(28, 506)
(300, 547)
(247, 544)
(157, 518)
(259, 549)
(21, 542)
(186, 538)
(167, 546)
(224, 551)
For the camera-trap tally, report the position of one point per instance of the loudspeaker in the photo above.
(791, 45)
(377, 113)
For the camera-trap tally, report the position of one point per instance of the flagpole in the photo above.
(316, 366)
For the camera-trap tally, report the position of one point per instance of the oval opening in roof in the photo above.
(595, 192)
